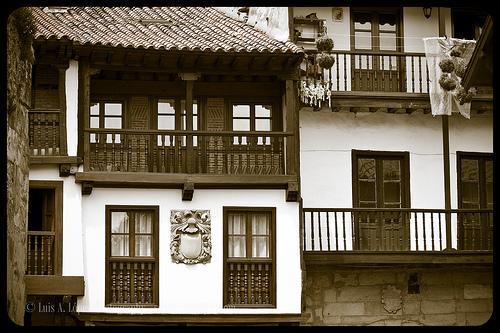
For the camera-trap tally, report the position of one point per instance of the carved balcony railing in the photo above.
(131, 282)
(161, 151)
(249, 283)
(370, 71)
(364, 229)
(40, 253)
(44, 132)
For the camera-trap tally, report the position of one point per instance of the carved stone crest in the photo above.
(392, 299)
(190, 236)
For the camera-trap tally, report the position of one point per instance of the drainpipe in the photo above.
(446, 150)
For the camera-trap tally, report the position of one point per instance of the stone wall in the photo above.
(383, 296)
(18, 96)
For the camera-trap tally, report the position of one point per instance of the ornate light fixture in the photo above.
(427, 11)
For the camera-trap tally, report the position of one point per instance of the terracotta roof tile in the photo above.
(169, 28)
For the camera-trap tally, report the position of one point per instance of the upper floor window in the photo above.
(131, 256)
(249, 257)
(169, 119)
(107, 115)
(475, 181)
(381, 179)
(251, 117)
(378, 31)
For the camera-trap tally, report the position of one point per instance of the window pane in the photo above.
(366, 168)
(241, 124)
(388, 41)
(94, 122)
(240, 110)
(363, 40)
(263, 111)
(236, 246)
(262, 124)
(362, 21)
(143, 245)
(143, 222)
(392, 192)
(260, 247)
(119, 245)
(391, 170)
(367, 191)
(470, 192)
(166, 122)
(236, 224)
(112, 122)
(260, 224)
(166, 106)
(470, 170)
(119, 222)
(113, 109)
(94, 109)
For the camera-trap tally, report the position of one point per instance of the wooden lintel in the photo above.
(187, 191)
(54, 285)
(87, 188)
(292, 192)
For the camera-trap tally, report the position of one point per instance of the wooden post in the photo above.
(84, 111)
(291, 125)
(189, 78)
(446, 151)
(63, 151)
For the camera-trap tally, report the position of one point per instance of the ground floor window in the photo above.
(132, 256)
(249, 257)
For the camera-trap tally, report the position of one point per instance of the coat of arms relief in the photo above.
(190, 236)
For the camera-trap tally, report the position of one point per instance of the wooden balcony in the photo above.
(40, 253)
(200, 152)
(371, 71)
(402, 233)
(44, 132)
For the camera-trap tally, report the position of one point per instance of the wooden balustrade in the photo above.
(40, 253)
(44, 132)
(159, 151)
(131, 282)
(364, 229)
(249, 283)
(370, 71)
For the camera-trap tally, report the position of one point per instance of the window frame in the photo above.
(57, 186)
(248, 259)
(379, 156)
(481, 158)
(154, 258)
(178, 113)
(103, 138)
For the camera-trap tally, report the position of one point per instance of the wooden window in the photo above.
(44, 240)
(106, 114)
(475, 194)
(132, 256)
(475, 180)
(249, 257)
(381, 179)
(252, 117)
(170, 119)
(381, 182)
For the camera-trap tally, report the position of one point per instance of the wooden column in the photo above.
(63, 145)
(446, 149)
(189, 78)
(83, 111)
(291, 122)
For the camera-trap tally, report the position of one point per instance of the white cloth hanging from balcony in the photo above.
(445, 102)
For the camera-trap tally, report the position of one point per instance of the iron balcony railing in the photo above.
(405, 229)
(359, 70)
(205, 152)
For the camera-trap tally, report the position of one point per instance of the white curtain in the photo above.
(119, 234)
(260, 235)
(436, 49)
(143, 234)
(236, 235)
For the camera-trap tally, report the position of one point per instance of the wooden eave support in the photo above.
(187, 191)
(87, 188)
(292, 192)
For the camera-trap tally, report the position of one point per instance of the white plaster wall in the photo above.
(328, 138)
(72, 107)
(191, 288)
(72, 217)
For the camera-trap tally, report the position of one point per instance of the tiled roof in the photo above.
(163, 28)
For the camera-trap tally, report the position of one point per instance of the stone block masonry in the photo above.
(454, 296)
